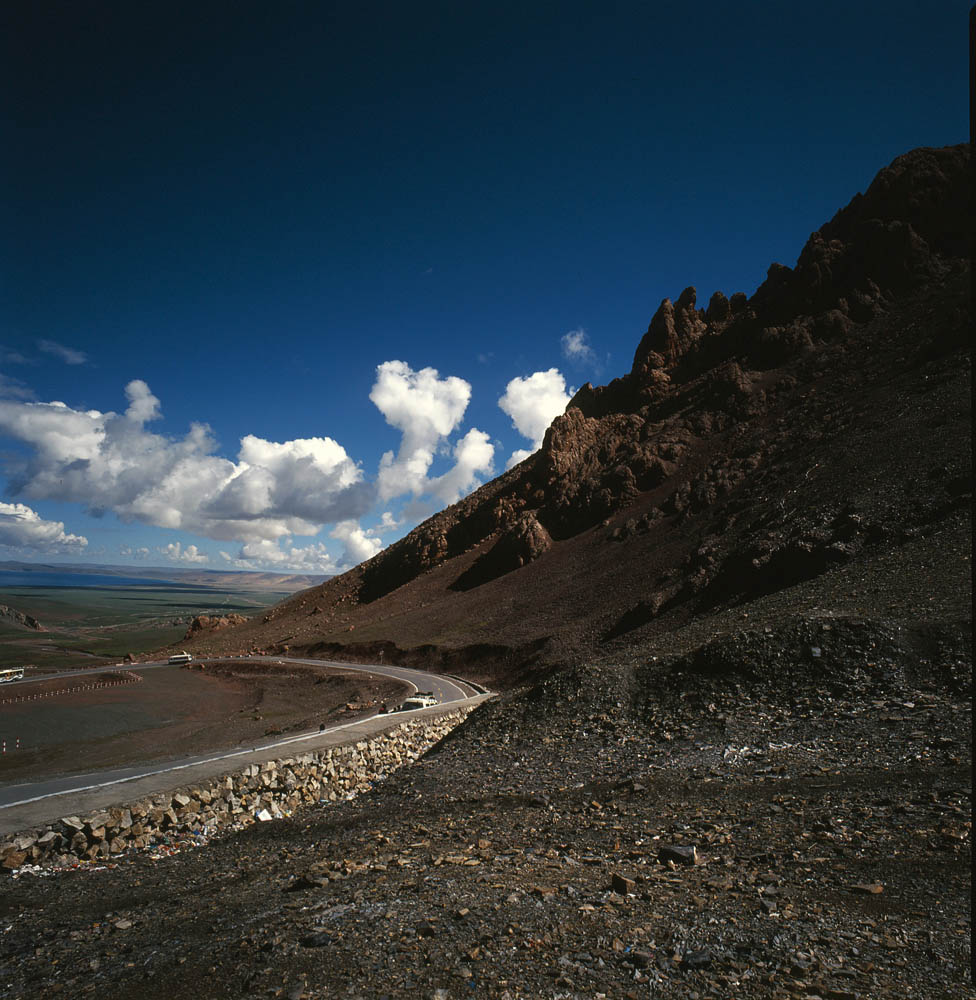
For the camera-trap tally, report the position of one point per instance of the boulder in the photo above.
(19, 618)
(13, 860)
(213, 623)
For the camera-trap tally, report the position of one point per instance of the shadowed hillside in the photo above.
(810, 432)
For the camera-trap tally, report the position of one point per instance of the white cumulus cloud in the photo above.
(360, 544)
(112, 462)
(533, 402)
(143, 405)
(263, 554)
(23, 528)
(176, 553)
(426, 409)
(519, 455)
(473, 456)
(121, 463)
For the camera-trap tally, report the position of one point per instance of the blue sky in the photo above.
(277, 267)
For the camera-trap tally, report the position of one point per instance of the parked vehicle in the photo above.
(422, 699)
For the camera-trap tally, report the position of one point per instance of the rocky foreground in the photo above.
(782, 812)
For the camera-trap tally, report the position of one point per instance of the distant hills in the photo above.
(183, 577)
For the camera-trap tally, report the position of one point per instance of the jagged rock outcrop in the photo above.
(674, 330)
(927, 189)
(883, 243)
(630, 436)
(19, 618)
(213, 623)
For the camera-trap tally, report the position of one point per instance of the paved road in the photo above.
(443, 688)
(26, 805)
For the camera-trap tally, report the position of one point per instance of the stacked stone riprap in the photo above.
(259, 792)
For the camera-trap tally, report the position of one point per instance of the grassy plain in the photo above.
(107, 622)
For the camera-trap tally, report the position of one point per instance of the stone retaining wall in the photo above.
(259, 792)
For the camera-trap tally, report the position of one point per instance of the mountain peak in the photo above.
(739, 455)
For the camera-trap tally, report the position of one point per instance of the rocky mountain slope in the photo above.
(754, 444)
(727, 605)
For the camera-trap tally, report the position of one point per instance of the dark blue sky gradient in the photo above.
(251, 206)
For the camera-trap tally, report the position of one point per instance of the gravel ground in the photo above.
(820, 769)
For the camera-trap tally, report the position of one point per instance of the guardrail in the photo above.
(128, 677)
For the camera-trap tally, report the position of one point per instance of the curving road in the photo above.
(445, 689)
(26, 805)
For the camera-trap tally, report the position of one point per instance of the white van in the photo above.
(180, 658)
(422, 699)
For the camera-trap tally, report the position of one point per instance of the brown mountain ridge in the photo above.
(754, 445)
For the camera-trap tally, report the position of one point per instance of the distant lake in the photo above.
(18, 578)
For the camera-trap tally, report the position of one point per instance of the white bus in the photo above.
(180, 658)
(12, 674)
